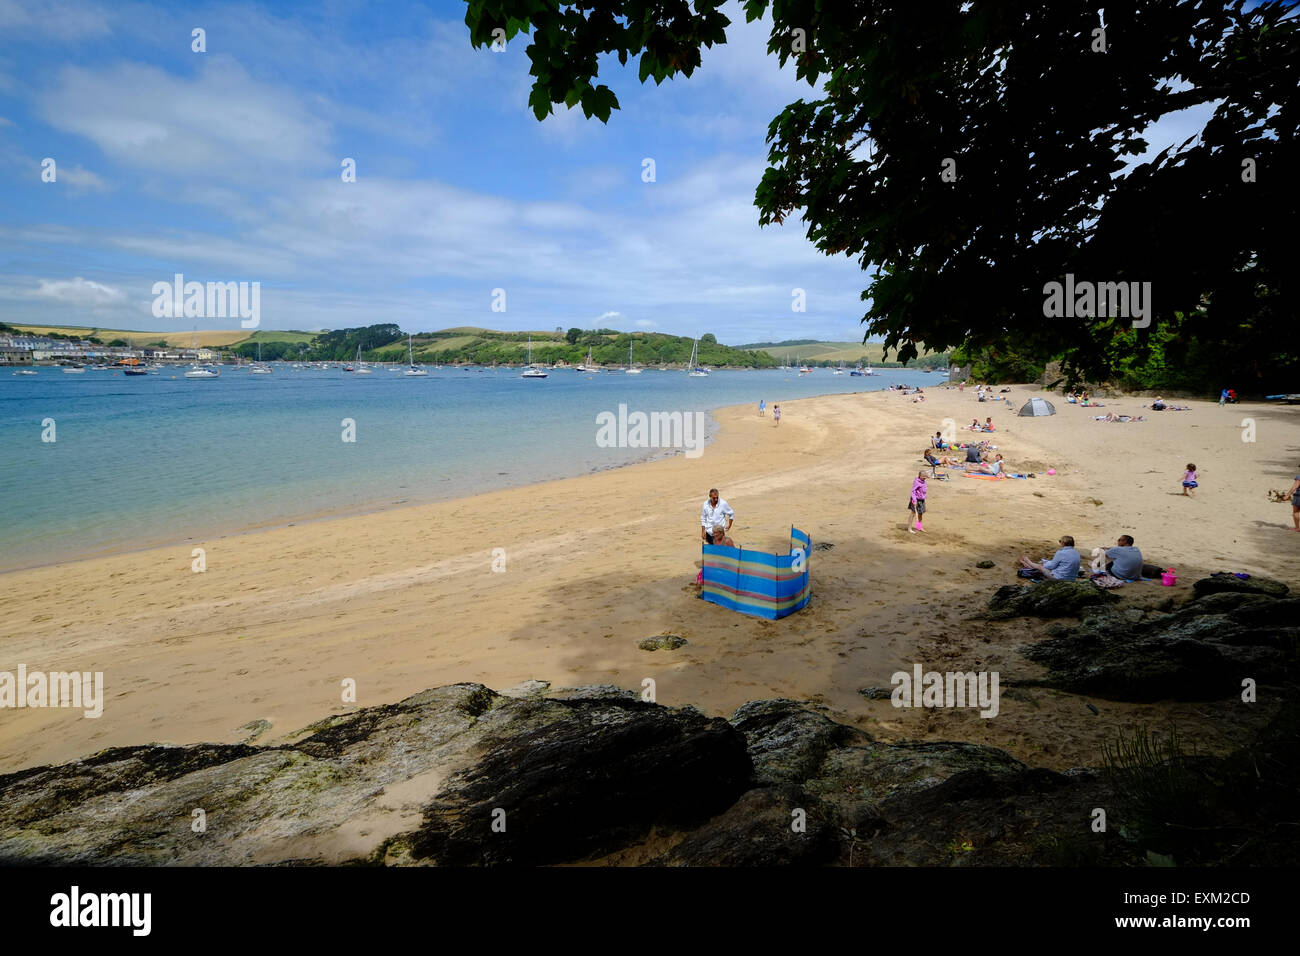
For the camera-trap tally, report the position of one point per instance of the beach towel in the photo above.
(1106, 581)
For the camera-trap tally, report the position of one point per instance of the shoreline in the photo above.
(406, 599)
(222, 532)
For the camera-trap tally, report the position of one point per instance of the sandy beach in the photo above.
(408, 599)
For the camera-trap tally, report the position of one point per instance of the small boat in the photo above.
(360, 369)
(25, 371)
(587, 366)
(135, 370)
(73, 370)
(631, 369)
(857, 372)
(532, 371)
(804, 370)
(694, 369)
(840, 370)
(201, 371)
(257, 368)
(414, 371)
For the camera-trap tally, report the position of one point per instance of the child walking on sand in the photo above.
(916, 504)
(1189, 480)
(776, 413)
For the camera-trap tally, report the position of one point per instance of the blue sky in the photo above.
(225, 166)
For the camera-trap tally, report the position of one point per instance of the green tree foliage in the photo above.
(968, 153)
(573, 336)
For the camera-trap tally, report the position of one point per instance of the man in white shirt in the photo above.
(714, 512)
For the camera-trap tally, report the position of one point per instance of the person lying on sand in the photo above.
(992, 468)
(943, 461)
(1112, 417)
(1062, 566)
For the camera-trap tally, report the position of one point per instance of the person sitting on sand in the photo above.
(933, 462)
(975, 453)
(992, 468)
(1062, 566)
(1158, 405)
(720, 537)
(1124, 561)
(938, 442)
(714, 512)
(988, 424)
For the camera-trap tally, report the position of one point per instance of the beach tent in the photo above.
(756, 582)
(1037, 406)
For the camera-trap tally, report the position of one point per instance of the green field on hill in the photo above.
(849, 352)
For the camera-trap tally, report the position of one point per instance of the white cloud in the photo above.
(220, 122)
(77, 291)
(58, 19)
(647, 324)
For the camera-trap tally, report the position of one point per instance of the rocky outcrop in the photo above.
(1045, 599)
(1231, 584)
(1201, 651)
(456, 774)
(461, 775)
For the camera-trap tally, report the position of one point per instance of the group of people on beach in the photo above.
(1122, 562)
(776, 411)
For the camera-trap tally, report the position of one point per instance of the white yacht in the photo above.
(693, 368)
(360, 369)
(415, 371)
(631, 369)
(201, 371)
(532, 371)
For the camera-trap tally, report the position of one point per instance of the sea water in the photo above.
(142, 460)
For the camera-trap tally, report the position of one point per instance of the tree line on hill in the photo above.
(388, 343)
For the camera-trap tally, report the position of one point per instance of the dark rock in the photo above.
(1120, 669)
(1263, 613)
(822, 546)
(787, 742)
(983, 564)
(667, 642)
(1229, 584)
(758, 831)
(584, 785)
(529, 688)
(877, 693)
(1221, 602)
(414, 781)
(1045, 599)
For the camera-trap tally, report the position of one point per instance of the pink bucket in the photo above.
(1168, 578)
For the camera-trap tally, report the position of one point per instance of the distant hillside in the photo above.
(387, 342)
(808, 352)
(207, 338)
(607, 347)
